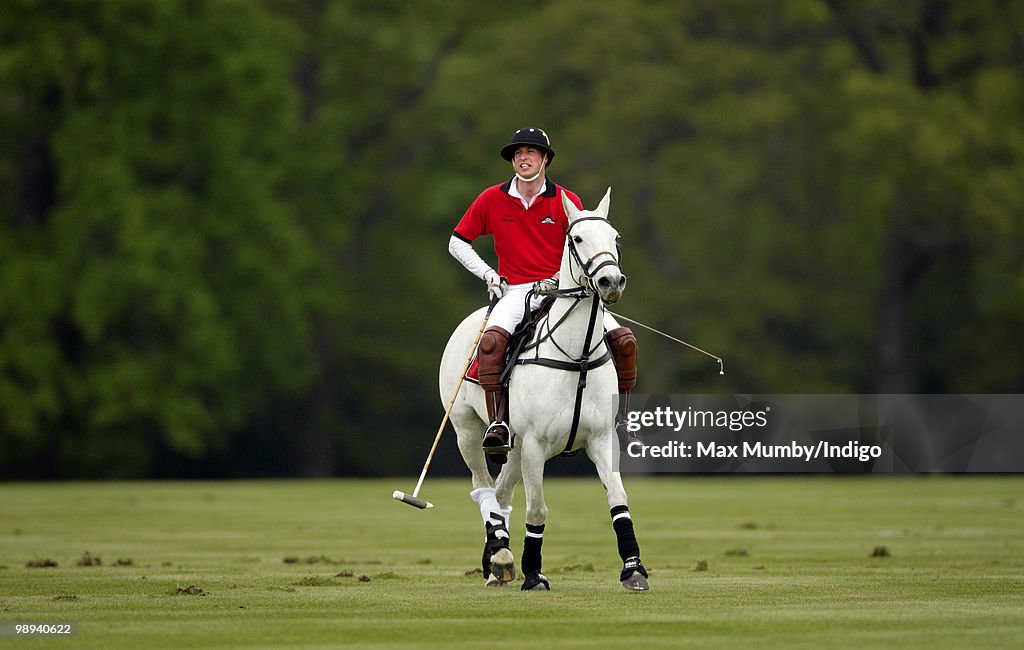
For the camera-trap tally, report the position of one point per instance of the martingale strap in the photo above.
(583, 366)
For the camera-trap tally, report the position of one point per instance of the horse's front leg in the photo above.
(532, 464)
(633, 575)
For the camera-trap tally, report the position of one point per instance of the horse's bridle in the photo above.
(586, 280)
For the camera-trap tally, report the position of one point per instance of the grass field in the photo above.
(791, 562)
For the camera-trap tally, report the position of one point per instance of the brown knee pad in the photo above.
(491, 352)
(623, 346)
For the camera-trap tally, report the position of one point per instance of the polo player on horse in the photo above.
(526, 218)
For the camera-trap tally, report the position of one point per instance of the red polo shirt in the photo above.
(528, 242)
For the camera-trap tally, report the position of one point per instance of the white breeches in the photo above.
(510, 309)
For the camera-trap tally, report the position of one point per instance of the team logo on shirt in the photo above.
(547, 220)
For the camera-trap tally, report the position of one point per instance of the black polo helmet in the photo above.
(528, 137)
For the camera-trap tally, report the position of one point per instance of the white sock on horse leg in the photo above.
(488, 503)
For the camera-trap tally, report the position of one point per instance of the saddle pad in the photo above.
(473, 374)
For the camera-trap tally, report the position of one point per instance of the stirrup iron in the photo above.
(495, 437)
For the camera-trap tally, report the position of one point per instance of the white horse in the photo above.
(562, 397)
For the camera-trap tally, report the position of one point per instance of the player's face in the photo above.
(528, 161)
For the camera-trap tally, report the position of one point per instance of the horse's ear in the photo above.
(571, 210)
(602, 207)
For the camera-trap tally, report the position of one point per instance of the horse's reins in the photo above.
(583, 365)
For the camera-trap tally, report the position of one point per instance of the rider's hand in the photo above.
(497, 286)
(545, 286)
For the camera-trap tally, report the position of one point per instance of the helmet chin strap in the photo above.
(535, 176)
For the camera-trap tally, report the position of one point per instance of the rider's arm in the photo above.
(463, 251)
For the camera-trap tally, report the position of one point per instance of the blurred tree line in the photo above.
(223, 224)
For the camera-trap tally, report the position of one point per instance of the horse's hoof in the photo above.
(536, 582)
(503, 567)
(493, 581)
(636, 582)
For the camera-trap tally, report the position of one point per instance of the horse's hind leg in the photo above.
(502, 561)
(497, 561)
(633, 575)
(532, 463)
(469, 429)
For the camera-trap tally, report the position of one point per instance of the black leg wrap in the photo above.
(493, 543)
(629, 549)
(630, 566)
(492, 529)
(628, 546)
(531, 548)
(536, 581)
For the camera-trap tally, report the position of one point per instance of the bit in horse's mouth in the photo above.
(611, 298)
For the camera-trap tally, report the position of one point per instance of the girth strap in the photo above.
(581, 365)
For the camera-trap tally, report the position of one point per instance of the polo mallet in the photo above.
(721, 364)
(413, 499)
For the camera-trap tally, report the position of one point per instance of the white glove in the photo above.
(545, 286)
(497, 286)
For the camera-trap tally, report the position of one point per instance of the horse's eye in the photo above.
(577, 239)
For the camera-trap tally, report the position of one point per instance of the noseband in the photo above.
(586, 280)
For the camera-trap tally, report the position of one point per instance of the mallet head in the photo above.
(411, 500)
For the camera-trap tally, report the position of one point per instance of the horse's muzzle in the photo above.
(610, 287)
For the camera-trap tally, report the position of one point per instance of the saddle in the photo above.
(523, 334)
(521, 337)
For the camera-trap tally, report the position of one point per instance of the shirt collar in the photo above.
(510, 188)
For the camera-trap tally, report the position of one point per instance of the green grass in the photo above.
(789, 565)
